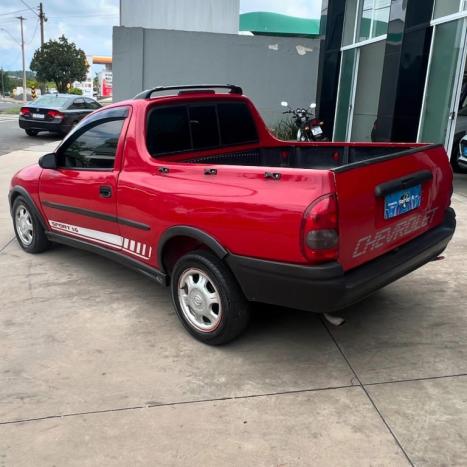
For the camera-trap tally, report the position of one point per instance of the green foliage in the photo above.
(59, 61)
(76, 91)
(30, 83)
(285, 129)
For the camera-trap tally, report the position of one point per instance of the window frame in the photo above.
(187, 105)
(372, 20)
(356, 42)
(107, 115)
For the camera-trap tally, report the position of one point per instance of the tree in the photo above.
(61, 62)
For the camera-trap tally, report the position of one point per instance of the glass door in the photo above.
(442, 90)
(346, 94)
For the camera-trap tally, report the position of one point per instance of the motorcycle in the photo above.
(309, 128)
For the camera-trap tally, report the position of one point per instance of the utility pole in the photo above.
(21, 19)
(3, 85)
(42, 20)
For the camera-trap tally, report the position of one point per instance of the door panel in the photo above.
(80, 197)
(72, 201)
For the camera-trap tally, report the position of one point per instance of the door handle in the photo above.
(105, 191)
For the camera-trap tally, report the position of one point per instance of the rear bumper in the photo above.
(56, 127)
(327, 288)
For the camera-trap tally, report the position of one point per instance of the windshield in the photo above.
(55, 101)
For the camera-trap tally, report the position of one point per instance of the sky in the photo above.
(89, 23)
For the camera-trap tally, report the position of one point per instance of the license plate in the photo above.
(40, 116)
(316, 130)
(402, 201)
(464, 150)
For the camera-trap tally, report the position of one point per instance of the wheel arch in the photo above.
(188, 238)
(17, 191)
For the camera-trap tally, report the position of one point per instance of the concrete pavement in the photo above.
(13, 138)
(95, 369)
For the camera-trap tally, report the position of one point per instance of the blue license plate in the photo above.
(402, 201)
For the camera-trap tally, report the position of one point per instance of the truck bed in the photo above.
(306, 156)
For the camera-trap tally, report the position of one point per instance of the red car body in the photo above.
(253, 205)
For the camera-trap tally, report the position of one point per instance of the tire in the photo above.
(28, 229)
(30, 132)
(454, 156)
(209, 279)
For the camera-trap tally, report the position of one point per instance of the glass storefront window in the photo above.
(349, 22)
(447, 7)
(367, 92)
(380, 23)
(440, 85)
(345, 94)
(374, 18)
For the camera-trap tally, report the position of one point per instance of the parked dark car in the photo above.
(57, 113)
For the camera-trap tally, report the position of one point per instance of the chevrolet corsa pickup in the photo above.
(187, 185)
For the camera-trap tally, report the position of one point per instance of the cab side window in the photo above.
(94, 148)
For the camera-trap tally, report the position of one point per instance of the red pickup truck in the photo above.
(192, 190)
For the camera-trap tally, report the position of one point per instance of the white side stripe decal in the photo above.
(127, 245)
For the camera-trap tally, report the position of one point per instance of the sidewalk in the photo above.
(96, 370)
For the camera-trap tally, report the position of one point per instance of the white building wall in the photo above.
(220, 16)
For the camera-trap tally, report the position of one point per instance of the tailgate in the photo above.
(388, 201)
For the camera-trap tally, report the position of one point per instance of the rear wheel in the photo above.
(207, 299)
(31, 132)
(28, 229)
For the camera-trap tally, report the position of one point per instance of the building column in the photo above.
(405, 69)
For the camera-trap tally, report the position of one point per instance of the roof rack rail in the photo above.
(148, 92)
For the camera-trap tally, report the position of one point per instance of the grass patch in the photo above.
(10, 111)
(285, 130)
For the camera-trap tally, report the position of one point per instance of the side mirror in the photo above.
(284, 104)
(48, 161)
(312, 105)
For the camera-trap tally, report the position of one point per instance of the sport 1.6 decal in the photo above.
(141, 250)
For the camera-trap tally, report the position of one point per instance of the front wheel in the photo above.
(207, 299)
(28, 229)
(30, 132)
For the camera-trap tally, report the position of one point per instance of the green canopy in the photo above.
(274, 24)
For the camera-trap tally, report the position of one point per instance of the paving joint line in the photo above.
(171, 404)
(4, 247)
(366, 392)
(422, 378)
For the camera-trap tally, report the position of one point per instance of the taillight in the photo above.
(315, 122)
(320, 235)
(55, 114)
(24, 111)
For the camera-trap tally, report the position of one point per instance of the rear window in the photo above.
(168, 130)
(236, 124)
(199, 126)
(52, 101)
